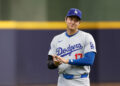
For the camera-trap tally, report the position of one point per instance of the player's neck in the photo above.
(71, 32)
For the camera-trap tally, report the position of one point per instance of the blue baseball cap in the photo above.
(75, 12)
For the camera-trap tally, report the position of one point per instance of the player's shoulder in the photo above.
(84, 33)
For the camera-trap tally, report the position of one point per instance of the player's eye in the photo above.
(76, 20)
(70, 18)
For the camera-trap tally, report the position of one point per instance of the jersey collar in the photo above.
(70, 35)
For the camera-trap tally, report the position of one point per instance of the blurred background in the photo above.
(26, 32)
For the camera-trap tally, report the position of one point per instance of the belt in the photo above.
(70, 76)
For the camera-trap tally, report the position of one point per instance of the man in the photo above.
(72, 52)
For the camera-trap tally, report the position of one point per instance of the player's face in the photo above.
(72, 22)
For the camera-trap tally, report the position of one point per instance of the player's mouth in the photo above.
(72, 26)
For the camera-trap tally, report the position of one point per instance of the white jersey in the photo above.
(72, 47)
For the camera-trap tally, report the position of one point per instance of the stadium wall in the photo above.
(24, 50)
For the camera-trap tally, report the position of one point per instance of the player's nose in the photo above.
(72, 21)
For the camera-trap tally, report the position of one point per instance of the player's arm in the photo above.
(51, 64)
(89, 50)
(87, 60)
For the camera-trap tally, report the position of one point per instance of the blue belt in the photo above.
(69, 76)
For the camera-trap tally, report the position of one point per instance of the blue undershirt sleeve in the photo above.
(87, 60)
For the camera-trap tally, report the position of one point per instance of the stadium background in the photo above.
(28, 26)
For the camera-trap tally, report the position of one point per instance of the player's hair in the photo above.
(71, 16)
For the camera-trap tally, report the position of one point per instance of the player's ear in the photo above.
(65, 19)
(80, 21)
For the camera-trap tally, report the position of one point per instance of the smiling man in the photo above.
(72, 52)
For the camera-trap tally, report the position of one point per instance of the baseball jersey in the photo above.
(72, 47)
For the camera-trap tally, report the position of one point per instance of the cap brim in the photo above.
(74, 15)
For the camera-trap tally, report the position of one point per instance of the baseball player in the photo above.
(72, 52)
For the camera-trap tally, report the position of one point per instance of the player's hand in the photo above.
(56, 61)
(63, 60)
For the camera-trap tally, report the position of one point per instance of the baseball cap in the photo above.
(75, 12)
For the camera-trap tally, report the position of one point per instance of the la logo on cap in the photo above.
(75, 12)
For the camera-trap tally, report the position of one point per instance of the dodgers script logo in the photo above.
(67, 51)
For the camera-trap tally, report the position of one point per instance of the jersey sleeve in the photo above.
(89, 44)
(52, 50)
